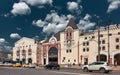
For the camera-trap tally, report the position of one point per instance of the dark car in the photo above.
(52, 66)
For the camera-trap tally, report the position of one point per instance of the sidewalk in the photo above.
(116, 68)
(79, 67)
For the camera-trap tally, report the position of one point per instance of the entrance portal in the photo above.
(29, 60)
(53, 55)
(117, 58)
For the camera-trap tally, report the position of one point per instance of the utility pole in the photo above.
(109, 22)
(98, 40)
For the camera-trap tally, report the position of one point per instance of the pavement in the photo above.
(79, 67)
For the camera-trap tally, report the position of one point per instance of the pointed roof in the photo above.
(72, 24)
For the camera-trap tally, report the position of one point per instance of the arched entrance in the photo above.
(117, 58)
(102, 57)
(53, 55)
(29, 60)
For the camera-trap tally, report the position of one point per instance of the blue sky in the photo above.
(41, 18)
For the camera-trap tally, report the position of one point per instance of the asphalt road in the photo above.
(41, 71)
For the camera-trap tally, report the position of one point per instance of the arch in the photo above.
(53, 55)
(103, 57)
(29, 60)
(117, 59)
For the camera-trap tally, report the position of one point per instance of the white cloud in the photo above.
(114, 4)
(2, 40)
(38, 2)
(53, 22)
(39, 23)
(4, 45)
(75, 7)
(72, 6)
(15, 36)
(20, 8)
(85, 23)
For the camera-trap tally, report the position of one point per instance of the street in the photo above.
(41, 71)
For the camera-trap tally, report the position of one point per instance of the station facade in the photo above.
(72, 46)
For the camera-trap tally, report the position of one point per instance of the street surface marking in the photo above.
(69, 73)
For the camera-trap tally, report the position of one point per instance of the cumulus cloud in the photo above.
(15, 36)
(74, 7)
(113, 5)
(39, 23)
(4, 45)
(38, 2)
(85, 23)
(20, 8)
(53, 22)
(2, 40)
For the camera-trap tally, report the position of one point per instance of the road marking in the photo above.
(69, 73)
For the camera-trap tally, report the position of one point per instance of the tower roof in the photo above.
(72, 24)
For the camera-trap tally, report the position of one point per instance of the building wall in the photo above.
(25, 44)
(73, 56)
(93, 44)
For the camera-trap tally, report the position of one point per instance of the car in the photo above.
(52, 66)
(17, 65)
(32, 66)
(100, 66)
(29, 65)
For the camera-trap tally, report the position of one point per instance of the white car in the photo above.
(101, 66)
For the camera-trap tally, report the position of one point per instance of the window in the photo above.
(83, 49)
(70, 50)
(103, 48)
(87, 43)
(93, 37)
(87, 49)
(63, 58)
(85, 38)
(29, 51)
(103, 41)
(101, 35)
(83, 43)
(110, 34)
(68, 60)
(74, 60)
(67, 50)
(117, 46)
(117, 39)
(118, 33)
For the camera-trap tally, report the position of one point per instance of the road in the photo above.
(39, 71)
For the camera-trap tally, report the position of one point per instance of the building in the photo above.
(26, 50)
(71, 46)
(5, 56)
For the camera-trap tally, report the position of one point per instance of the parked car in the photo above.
(29, 65)
(17, 65)
(32, 66)
(52, 66)
(101, 66)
